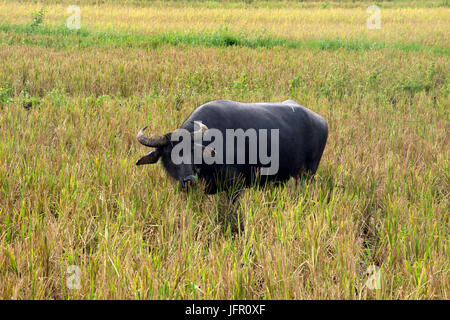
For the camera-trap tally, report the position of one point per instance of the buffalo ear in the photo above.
(149, 158)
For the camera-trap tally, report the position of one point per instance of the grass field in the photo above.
(72, 101)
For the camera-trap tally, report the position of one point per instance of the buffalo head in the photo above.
(184, 173)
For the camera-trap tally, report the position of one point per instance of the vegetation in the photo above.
(72, 101)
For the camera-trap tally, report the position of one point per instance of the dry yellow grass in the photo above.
(398, 24)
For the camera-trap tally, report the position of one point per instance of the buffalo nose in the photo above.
(189, 178)
(187, 181)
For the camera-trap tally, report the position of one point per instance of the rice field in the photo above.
(78, 219)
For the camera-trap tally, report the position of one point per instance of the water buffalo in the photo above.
(294, 138)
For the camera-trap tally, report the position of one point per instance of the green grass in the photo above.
(64, 38)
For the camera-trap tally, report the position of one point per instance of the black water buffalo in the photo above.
(293, 135)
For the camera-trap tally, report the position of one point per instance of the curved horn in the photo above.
(202, 129)
(151, 141)
(194, 134)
